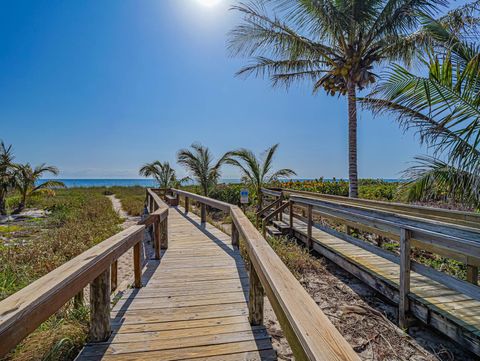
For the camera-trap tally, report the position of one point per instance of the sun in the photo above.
(209, 2)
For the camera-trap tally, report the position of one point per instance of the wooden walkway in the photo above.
(193, 304)
(432, 302)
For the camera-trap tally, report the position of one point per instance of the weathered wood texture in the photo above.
(450, 305)
(193, 304)
(100, 328)
(462, 218)
(309, 332)
(24, 311)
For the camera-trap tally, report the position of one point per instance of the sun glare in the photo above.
(209, 2)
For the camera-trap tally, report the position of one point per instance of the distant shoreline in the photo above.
(71, 183)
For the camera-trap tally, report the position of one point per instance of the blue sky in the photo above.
(99, 87)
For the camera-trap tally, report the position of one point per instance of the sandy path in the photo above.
(125, 262)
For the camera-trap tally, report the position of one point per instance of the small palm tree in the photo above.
(333, 44)
(257, 172)
(27, 179)
(163, 173)
(199, 162)
(7, 175)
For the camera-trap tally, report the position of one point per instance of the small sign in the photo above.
(244, 196)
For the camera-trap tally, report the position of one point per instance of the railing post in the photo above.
(235, 235)
(164, 234)
(405, 248)
(472, 274)
(158, 236)
(280, 215)
(309, 227)
(187, 206)
(113, 273)
(291, 215)
(255, 304)
(100, 328)
(203, 213)
(137, 265)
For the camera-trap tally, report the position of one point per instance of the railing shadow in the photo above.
(233, 252)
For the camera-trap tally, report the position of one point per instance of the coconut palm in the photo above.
(27, 179)
(333, 44)
(257, 171)
(199, 162)
(7, 174)
(444, 108)
(163, 173)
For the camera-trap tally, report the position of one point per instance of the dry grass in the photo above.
(79, 219)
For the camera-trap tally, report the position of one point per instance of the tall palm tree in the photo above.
(7, 174)
(333, 44)
(27, 179)
(257, 172)
(199, 162)
(163, 173)
(444, 108)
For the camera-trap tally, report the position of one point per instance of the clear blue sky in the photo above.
(99, 87)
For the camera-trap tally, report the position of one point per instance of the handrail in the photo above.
(427, 235)
(25, 310)
(462, 218)
(462, 241)
(272, 214)
(309, 332)
(271, 192)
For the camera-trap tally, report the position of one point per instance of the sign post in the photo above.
(244, 198)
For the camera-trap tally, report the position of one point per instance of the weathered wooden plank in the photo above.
(458, 319)
(405, 250)
(24, 311)
(100, 328)
(310, 333)
(191, 352)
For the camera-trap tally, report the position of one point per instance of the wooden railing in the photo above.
(441, 238)
(452, 218)
(461, 218)
(24, 311)
(309, 332)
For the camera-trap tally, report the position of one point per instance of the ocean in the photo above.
(70, 183)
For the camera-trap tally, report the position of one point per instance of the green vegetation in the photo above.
(26, 182)
(23, 178)
(132, 198)
(257, 173)
(443, 107)
(334, 44)
(375, 189)
(163, 173)
(7, 175)
(78, 219)
(200, 164)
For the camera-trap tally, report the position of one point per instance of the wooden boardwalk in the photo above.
(432, 302)
(193, 304)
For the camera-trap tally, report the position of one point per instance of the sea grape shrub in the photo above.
(376, 189)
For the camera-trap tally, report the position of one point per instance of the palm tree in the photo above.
(443, 108)
(199, 162)
(7, 174)
(333, 44)
(27, 179)
(257, 172)
(163, 173)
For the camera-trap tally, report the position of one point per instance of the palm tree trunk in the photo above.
(259, 198)
(3, 206)
(352, 141)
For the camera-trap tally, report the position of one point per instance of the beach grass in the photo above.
(77, 219)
